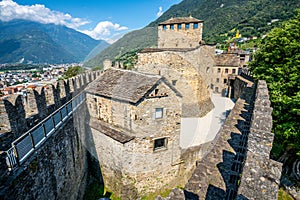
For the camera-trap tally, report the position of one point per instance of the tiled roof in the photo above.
(225, 59)
(180, 20)
(123, 85)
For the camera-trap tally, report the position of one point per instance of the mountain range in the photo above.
(221, 17)
(32, 42)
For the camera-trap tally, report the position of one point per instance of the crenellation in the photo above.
(30, 103)
(61, 89)
(40, 98)
(68, 90)
(19, 112)
(16, 114)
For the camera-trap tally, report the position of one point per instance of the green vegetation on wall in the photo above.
(278, 62)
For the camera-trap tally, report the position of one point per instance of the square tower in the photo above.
(182, 32)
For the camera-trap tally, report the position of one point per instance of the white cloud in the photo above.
(160, 11)
(104, 29)
(10, 10)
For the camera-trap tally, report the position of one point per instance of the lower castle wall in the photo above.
(57, 170)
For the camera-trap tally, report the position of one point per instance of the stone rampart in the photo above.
(238, 166)
(261, 175)
(18, 113)
(60, 164)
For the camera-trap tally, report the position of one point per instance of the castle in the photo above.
(126, 126)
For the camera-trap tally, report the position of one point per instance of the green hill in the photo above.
(43, 43)
(251, 18)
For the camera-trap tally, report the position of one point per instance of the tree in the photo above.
(278, 62)
(73, 71)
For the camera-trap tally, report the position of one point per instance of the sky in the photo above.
(107, 20)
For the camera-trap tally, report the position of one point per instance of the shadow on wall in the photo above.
(232, 166)
(63, 162)
(94, 169)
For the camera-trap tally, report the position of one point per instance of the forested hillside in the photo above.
(251, 18)
(28, 41)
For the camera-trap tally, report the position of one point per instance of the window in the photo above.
(179, 26)
(172, 26)
(158, 113)
(219, 70)
(226, 71)
(233, 71)
(207, 69)
(156, 92)
(217, 80)
(174, 82)
(187, 26)
(195, 25)
(160, 143)
(225, 80)
(216, 89)
(164, 27)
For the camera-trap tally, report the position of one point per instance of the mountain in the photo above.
(44, 43)
(221, 18)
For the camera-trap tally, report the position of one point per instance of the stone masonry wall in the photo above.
(238, 165)
(188, 74)
(57, 170)
(261, 175)
(184, 38)
(60, 163)
(133, 168)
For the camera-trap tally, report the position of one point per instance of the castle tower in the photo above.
(182, 32)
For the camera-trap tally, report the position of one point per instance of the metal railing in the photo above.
(26, 144)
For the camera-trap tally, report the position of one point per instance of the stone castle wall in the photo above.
(179, 38)
(237, 165)
(60, 164)
(188, 71)
(133, 168)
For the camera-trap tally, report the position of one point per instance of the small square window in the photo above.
(187, 26)
(219, 70)
(216, 89)
(233, 71)
(217, 80)
(164, 27)
(226, 71)
(195, 25)
(172, 26)
(174, 82)
(179, 26)
(160, 143)
(158, 113)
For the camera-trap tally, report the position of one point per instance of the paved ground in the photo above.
(196, 131)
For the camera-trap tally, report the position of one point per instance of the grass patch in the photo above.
(151, 196)
(283, 195)
(95, 191)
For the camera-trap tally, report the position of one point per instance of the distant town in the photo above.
(17, 81)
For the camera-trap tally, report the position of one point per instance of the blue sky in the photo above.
(100, 19)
